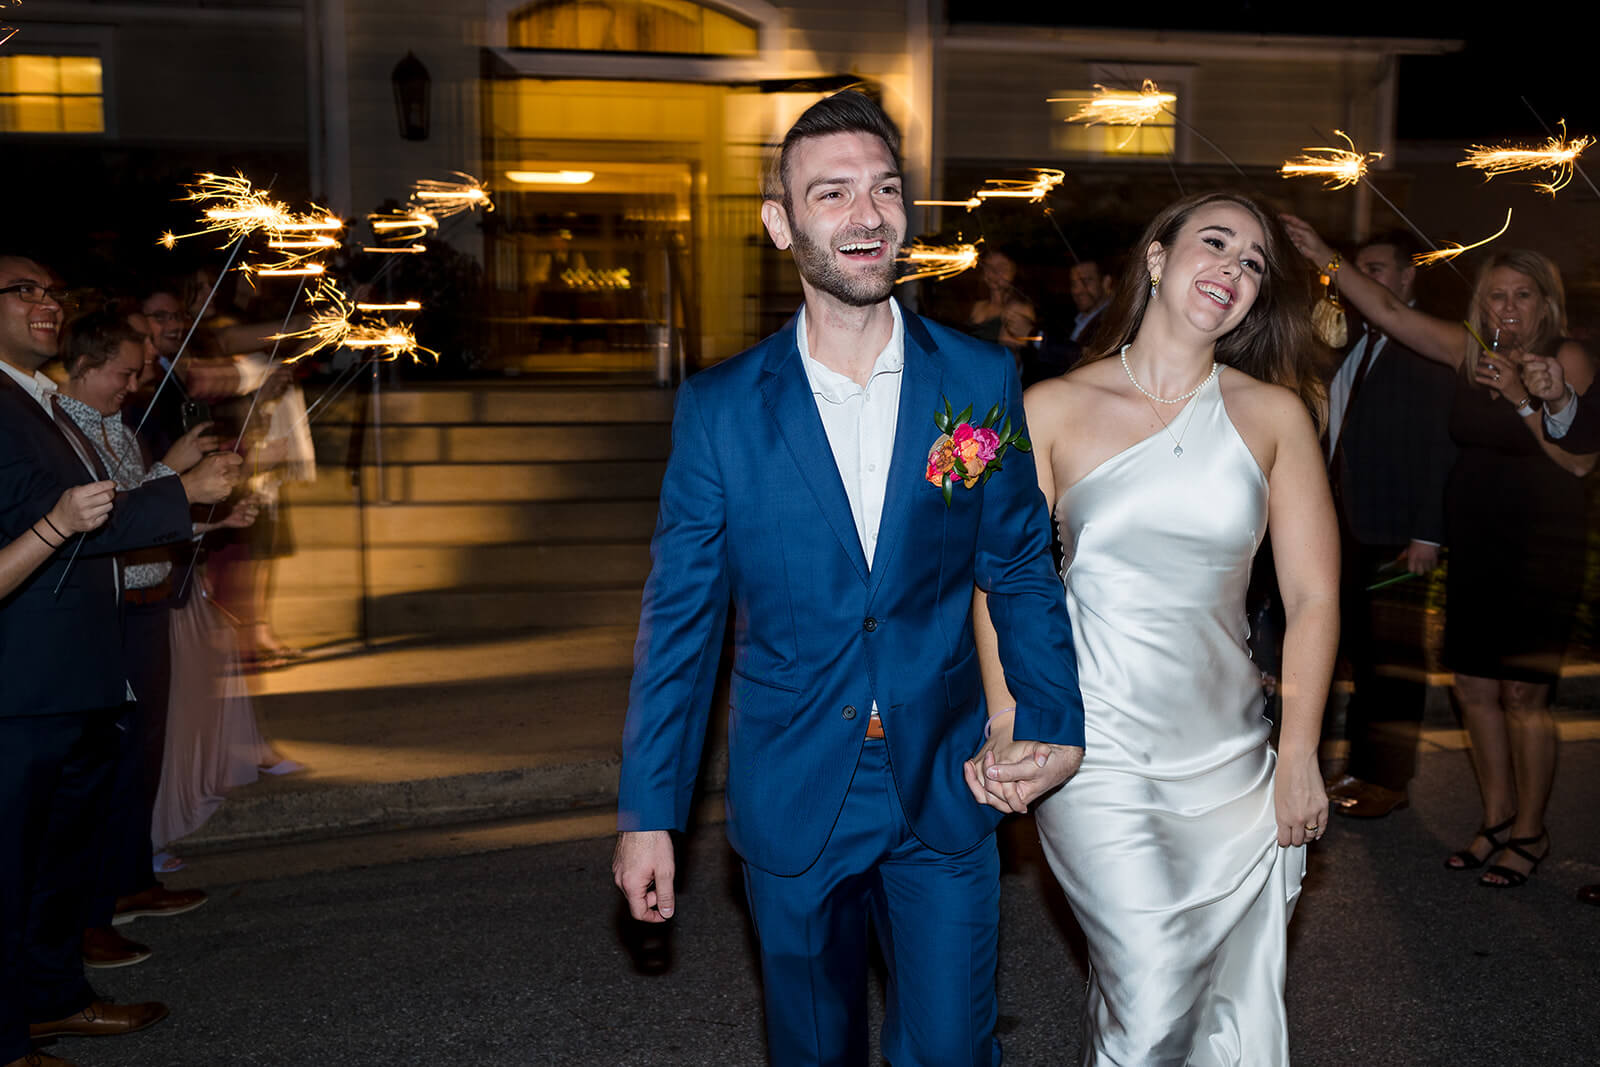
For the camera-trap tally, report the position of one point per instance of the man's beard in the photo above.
(817, 266)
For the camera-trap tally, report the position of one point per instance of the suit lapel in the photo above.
(914, 434)
(788, 397)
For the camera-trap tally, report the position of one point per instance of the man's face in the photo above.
(168, 321)
(1084, 280)
(845, 218)
(1382, 264)
(141, 325)
(29, 333)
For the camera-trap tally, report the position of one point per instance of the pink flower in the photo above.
(941, 460)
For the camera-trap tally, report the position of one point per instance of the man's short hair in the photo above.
(847, 111)
(1405, 246)
(95, 338)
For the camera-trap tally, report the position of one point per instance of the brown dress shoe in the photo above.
(158, 902)
(101, 1019)
(41, 1059)
(104, 947)
(1369, 801)
(1341, 785)
(1590, 894)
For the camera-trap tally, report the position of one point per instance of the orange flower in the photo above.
(941, 460)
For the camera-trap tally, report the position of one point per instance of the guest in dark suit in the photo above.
(1570, 420)
(63, 680)
(1389, 454)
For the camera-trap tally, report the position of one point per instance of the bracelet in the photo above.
(52, 526)
(1333, 265)
(40, 536)
(1526, 408)
(990, 724)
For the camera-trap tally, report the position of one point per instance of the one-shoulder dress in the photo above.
(1166, 840)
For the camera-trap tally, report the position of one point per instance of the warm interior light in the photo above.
(551, 177)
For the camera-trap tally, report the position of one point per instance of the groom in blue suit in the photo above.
(807, 489)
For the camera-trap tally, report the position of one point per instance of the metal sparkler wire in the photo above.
(172, 365)
(1575, 164)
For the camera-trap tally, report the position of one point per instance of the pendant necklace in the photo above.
(1153, 399)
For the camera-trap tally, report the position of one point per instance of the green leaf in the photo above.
(947, 484)
(961, 468)
(1005, 430)
(941, 419)
(949, 415)
(1022, 445)
(988, 420)
(966, 413)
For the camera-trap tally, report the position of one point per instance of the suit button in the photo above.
(870, 624)
(849, 711)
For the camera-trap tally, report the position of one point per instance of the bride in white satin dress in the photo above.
(1181, 841)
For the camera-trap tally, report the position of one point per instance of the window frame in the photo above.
(55, 39)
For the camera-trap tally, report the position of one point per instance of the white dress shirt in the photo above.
(860, 423)
(1556, 426)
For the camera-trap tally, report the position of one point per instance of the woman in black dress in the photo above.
(1514, 509)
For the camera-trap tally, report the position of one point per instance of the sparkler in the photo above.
(936, 261)
(1558, 155)
(969, 204)
(403, 225)
(1119, 107)
(407, 250)
(442, 199)
(1339, 167)
(331, 327)
(1451, 249)
(1045, 179)
(409, 305)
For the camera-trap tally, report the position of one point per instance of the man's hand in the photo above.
(1547, 380)
(82, 508)
(241, 514)
(1009, 775)
(191, 448)
(1420, 557)
(213, 478)
(643, 868)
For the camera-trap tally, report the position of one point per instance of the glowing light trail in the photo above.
(1450, 249)
(1558, 155)
(936, 261)
(1338, 167)
(443, 199)
(409, 305)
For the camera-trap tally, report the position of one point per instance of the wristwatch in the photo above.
(1527, 407)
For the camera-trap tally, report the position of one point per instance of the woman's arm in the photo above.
(1305, 546)
(1435, 338)
(80, 509)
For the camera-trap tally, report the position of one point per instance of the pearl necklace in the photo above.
(1123, 355)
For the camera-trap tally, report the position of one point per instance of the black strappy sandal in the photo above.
(1464, 859)
(1517, 879)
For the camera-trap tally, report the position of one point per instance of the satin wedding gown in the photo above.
(1166, 840)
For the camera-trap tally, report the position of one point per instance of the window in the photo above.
(1156, 138)
(51, 94)
(679, 27)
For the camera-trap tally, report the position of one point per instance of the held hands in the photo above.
(1502, 372)
(83, 508)
(1009, 775)
(1546, 380)
(1299, 801)
(642, 868)
(213, 478)
(191, 448)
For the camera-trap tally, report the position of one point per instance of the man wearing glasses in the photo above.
(63, 681)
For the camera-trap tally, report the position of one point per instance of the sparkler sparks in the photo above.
(409, 305)
(1451, 249)
(331, 327)
(936, 261)
(1119, 107)
(405, 250)
(969, 204)
(443, 199)
(1045, 179)
(403, 225)
(1558, 155)
(1338, 167)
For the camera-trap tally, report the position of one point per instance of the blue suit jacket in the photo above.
(753, 514)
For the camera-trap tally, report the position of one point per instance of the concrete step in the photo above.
(336, 525)
(334, 614)
(442, 568)
(501, 443)
(447, 483)
(497, 404)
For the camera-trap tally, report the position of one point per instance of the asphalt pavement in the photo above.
(503, 943)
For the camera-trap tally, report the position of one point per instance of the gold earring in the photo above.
(1155, 280)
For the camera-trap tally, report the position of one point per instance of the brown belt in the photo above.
(153, 595)
(875, 728)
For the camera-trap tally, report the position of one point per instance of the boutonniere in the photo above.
(966, 453)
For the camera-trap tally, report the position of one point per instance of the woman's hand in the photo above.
(242, 514)
(1009, 775)
(1298, 799)
(191, 448)
(1307, 241)
(1502, 372)
(82, 508)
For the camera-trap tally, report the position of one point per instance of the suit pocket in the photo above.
(963, 684)
(758, 700)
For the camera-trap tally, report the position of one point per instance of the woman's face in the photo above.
(105, 387)
(1212, 272)
(1515, 306)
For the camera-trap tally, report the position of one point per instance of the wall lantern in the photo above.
(411, 88)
